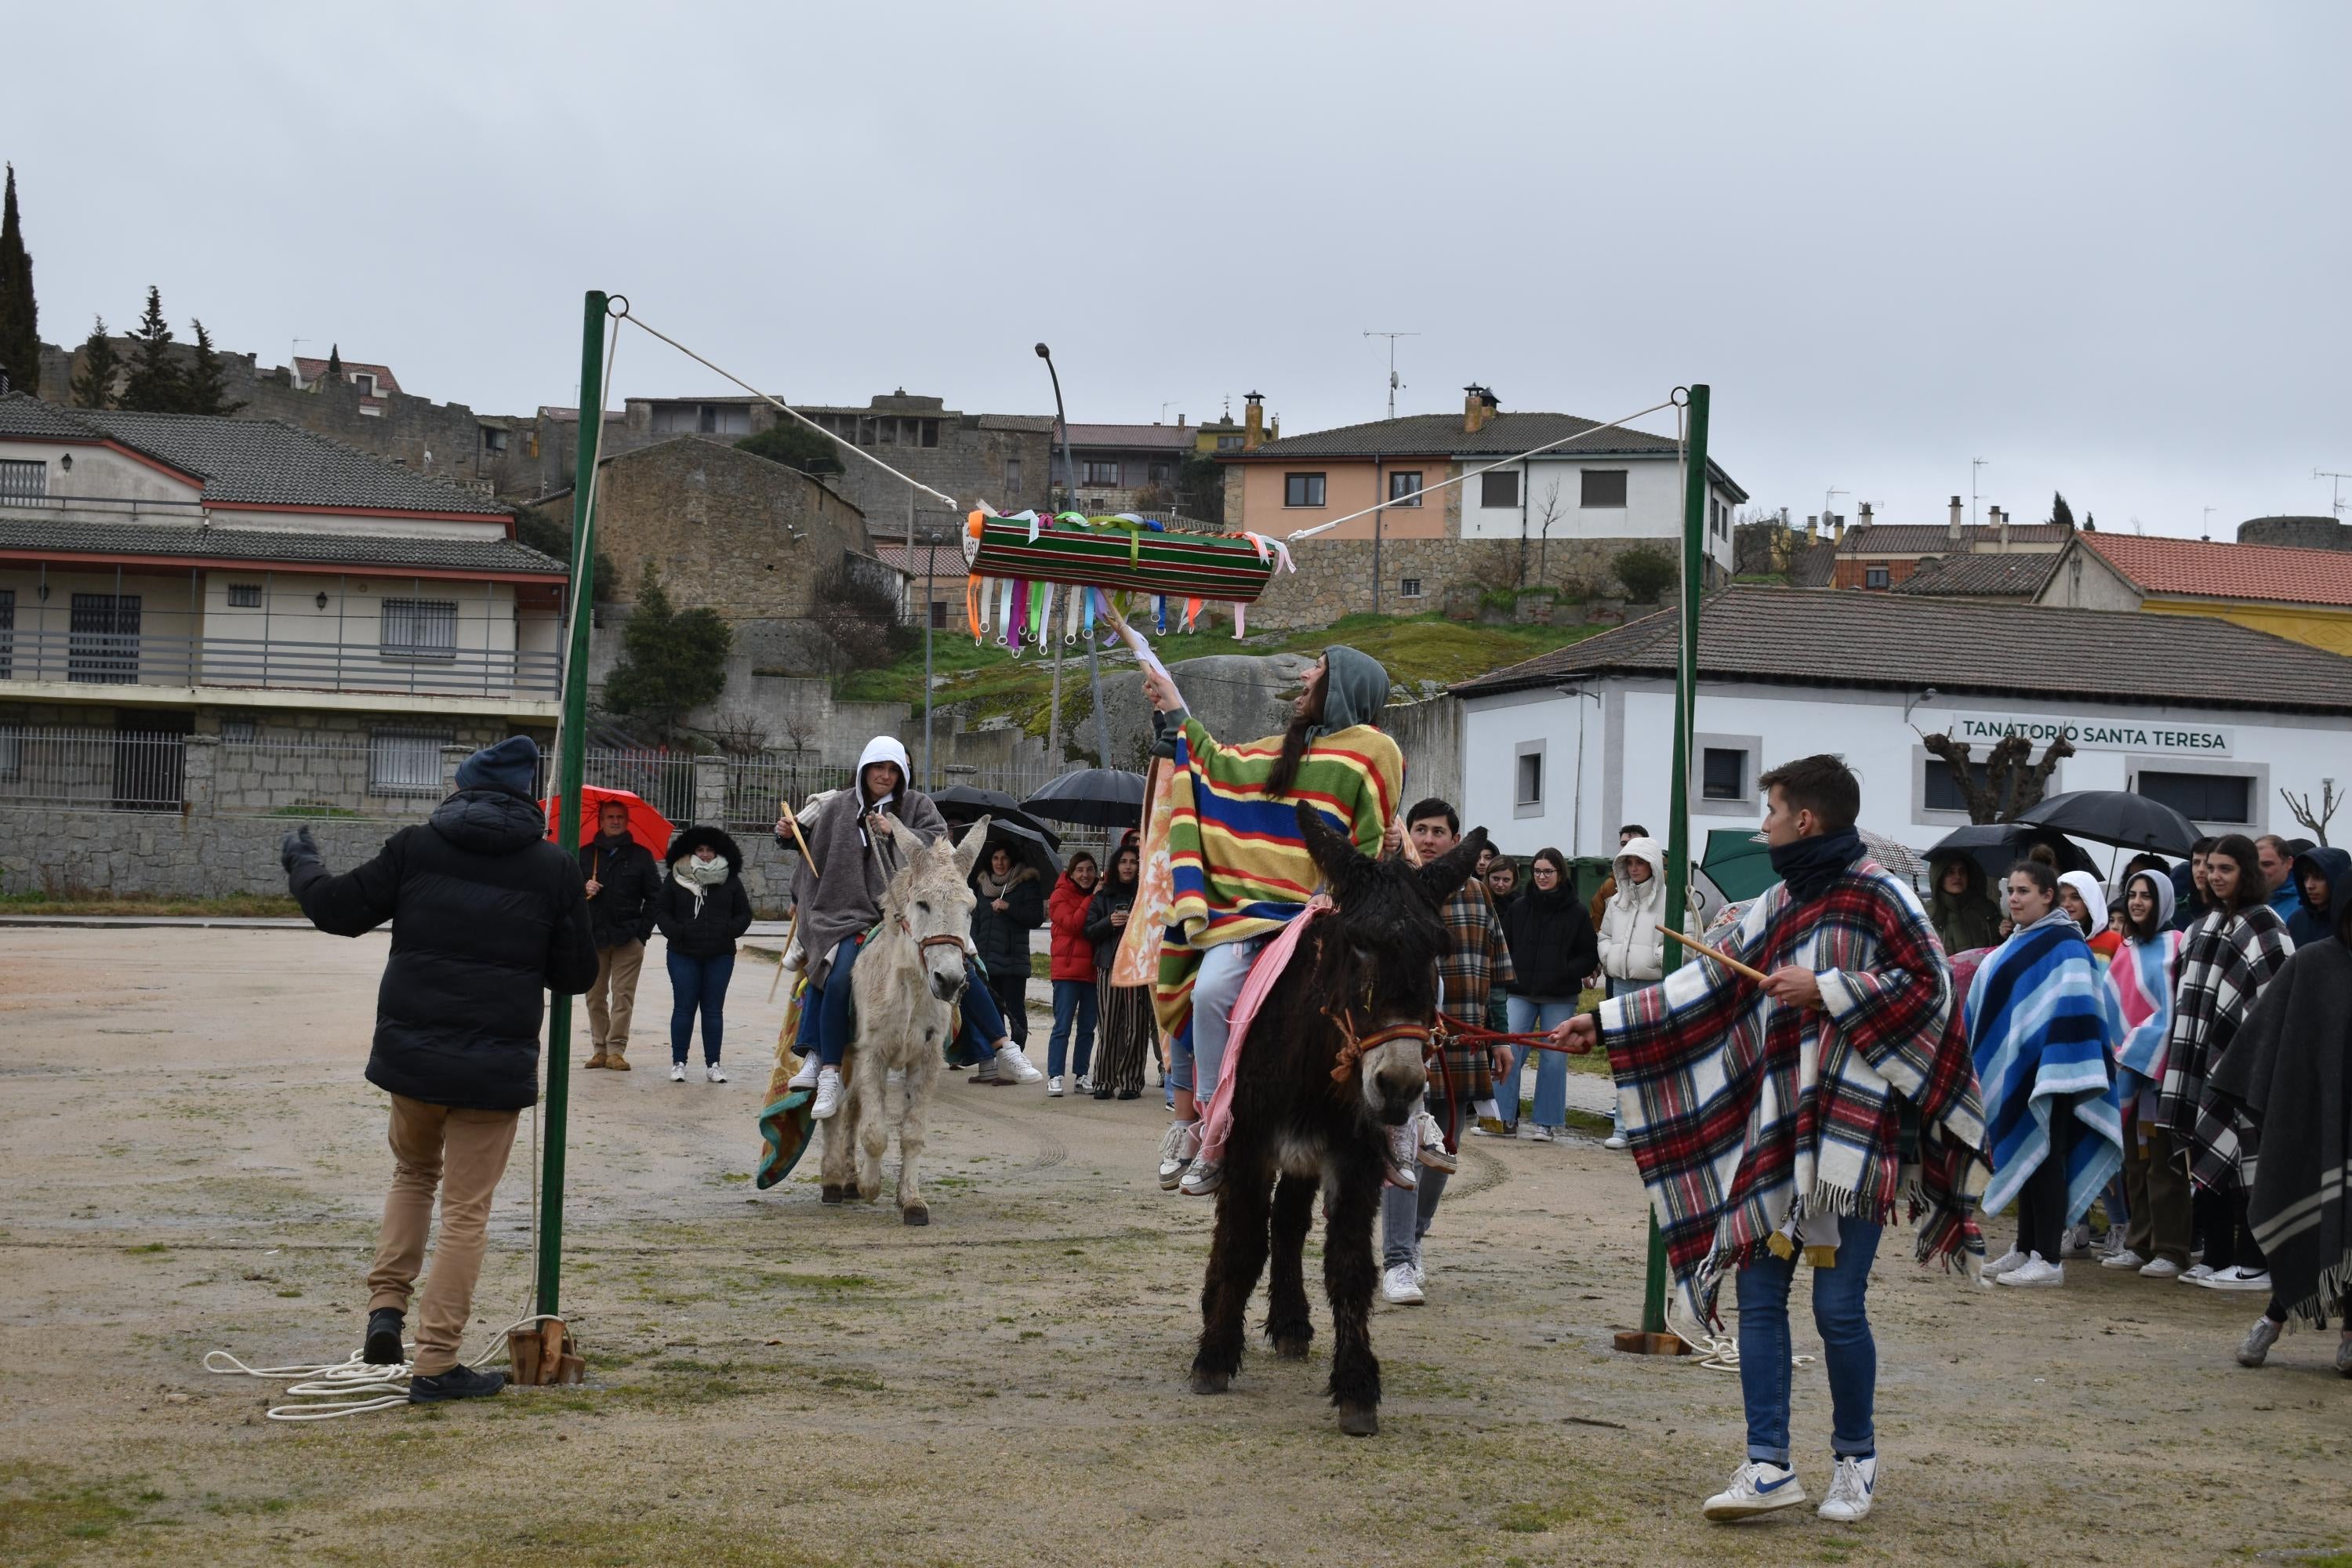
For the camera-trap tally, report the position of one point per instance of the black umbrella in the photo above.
(1027, 844)
(2116, 816)
(1998, 846)
(1098, 797)
(960, 803)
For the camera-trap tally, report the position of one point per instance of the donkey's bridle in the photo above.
(943, 940)
(1353, 1047)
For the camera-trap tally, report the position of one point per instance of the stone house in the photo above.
(318, 623)
(727, 530)
(1557, 519)
(1127, 467)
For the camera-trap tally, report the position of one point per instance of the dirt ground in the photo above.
(193, 1162)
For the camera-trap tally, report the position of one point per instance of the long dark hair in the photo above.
(1111, 877)
(1563, 887)
(2249, 861)
(2140, 932)
(1295, 736)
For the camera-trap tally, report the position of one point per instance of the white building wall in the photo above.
(99, 473)
(1627, 750)
(1653, 508)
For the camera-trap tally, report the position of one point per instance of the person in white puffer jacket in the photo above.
(1632, 947)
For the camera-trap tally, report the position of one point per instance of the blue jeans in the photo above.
(1551, 1068)
(1216, 986)
(698, 982)
(1848, 1351)
(827, 1024)
(1073, 1000)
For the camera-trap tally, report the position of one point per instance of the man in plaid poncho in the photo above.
(1771, 1122)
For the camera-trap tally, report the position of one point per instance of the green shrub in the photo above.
(1646, 572)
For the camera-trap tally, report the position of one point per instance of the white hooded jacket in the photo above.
(1633, 948)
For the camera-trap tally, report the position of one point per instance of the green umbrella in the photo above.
(1739, 862)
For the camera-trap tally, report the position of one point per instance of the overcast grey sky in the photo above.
(2102, 246)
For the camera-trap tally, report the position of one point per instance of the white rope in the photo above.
(348, 1387)
(1716, 1352)
(1414, 499)
(782, 408)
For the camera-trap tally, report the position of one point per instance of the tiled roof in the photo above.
(2275, 573)
(200, 541)
(313, 368)
(2013, 577)
(1175, 437)
(1837, 638)
(1927, 538)
(1441, 434)
(257, 462)
(1814, 566)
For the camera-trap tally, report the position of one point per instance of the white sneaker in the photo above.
(2239, 1278)
(1012, 1064)
(1419, 1274)
(1086, 1084)
(1433, 1152)
(1399, 1288)
(1201, 1178)
(677, 1072)
(1850, 1491)
(2007, 1260)
(710, 1073)
(828, 1094)
(1614, 1141)
(1054, 1086)
(2160, 1268)
(1538, 1134)
(2035, 1270)
(2195, 1274)
(2256, 1345)
(806, 1076)
(1177, 1147)
(2123, 1257)
(1404, 1146)
(2077, 1241)
(1756, 1486)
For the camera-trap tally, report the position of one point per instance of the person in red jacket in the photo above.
(1072, 973)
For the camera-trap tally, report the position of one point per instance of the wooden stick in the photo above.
(1725, 959)
(791, 817)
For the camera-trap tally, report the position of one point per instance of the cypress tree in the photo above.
(93, 383)
(155, 385)
(20, 329)
(207, 388)
(335, 361)
(2060, 513)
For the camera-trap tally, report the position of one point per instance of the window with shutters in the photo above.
(1604, 488)
(420, 629)
(2219, 798)
(1500, 488)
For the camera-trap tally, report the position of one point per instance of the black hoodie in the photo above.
(486, 914)
(2310, 925)
(725, 912)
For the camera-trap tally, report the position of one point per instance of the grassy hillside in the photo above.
(1417, 649)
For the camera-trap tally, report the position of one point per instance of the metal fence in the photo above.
(106, 654)
(105, 770)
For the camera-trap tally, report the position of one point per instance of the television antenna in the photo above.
(2336, 505)
(1394, 384)
(1976, 467)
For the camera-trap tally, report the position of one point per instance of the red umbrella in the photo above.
(646, 825)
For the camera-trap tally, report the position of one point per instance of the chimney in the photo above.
(1179, 421)
(2002, 518)
(1864, 520)
(1952, 529)
(1837, 523)
(1812, 526)
(1252, 421)
(1478, 407)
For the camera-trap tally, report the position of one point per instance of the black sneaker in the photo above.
(382, 1348)
(457, 1383)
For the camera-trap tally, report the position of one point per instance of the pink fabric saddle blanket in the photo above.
(1217, 1120)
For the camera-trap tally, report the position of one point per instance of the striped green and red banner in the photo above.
(1108, 554)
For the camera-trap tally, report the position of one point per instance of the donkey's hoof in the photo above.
(1293, 1346)
(1211, 1381)
(831, 1195)
(915, 1214)
(1359, 1421)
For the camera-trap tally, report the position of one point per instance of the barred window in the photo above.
(245, 595)
(22, 482)
(405, 762)
(7, 632)
(421, 628)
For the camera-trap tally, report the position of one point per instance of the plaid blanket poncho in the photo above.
(1745, 1115)
(2040, 1023)
(2225, 962)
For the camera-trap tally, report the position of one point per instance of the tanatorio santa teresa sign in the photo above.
(2094, 733)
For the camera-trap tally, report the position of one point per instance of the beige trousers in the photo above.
(613, 1000)
(462, 1153)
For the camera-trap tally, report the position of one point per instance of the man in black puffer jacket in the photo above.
(622, 883)
(486, 914)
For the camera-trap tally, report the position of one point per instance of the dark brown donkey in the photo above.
(1333, 1060)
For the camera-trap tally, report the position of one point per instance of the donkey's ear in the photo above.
(966, 854)
(1441, 879)
(1336, 857)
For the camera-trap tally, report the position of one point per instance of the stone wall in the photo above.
(2298, 532)
(1335, 578)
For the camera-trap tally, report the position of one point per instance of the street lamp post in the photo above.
(930, 572)
(1069, 488)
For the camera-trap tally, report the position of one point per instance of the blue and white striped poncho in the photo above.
(2043, 1025)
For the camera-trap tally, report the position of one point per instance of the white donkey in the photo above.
(905, 985)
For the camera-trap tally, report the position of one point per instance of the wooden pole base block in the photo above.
(544, 1353)
(1633, 1341)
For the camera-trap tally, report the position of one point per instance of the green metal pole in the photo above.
(1679, 836)
(571, 744)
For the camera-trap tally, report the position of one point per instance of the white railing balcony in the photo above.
(99, 658)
